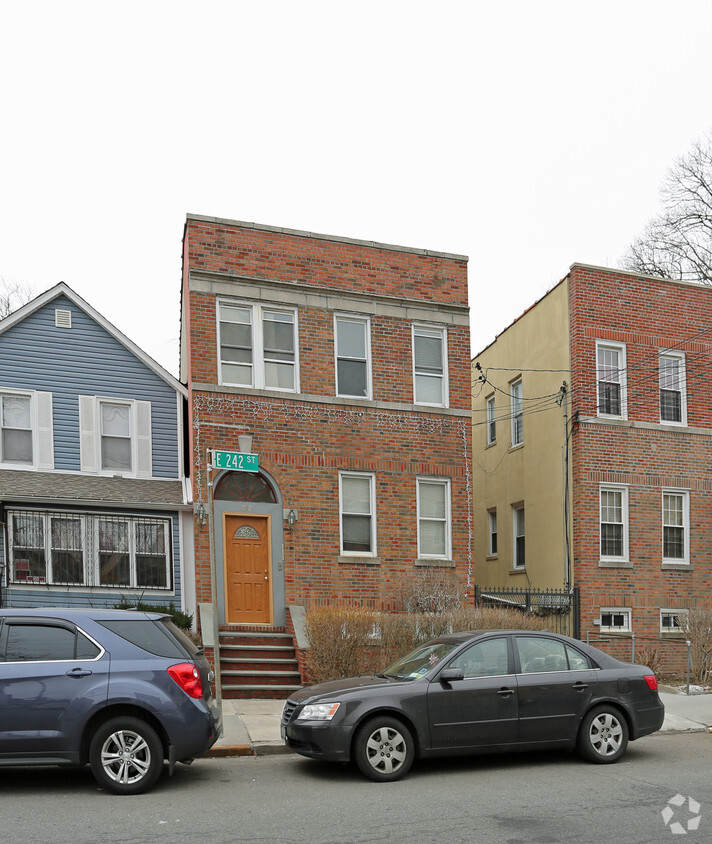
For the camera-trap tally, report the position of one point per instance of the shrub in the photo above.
(697, 627)
(348, 641)
(179, 618)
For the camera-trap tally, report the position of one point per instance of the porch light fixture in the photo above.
(291, 518)
(201, 513)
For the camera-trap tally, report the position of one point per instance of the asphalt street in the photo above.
(546, 798)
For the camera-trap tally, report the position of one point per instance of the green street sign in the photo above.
(237, 460)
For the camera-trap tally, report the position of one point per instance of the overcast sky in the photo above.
(526, 135)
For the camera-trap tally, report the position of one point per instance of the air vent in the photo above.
(63, 319)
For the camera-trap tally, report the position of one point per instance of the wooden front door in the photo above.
(247, 570)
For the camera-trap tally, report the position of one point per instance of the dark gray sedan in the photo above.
(477, 692)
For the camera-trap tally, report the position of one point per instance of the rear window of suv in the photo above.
(160, 637)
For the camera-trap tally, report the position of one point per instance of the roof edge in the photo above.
(63, 289)
(333, 238)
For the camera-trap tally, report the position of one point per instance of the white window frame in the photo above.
(41, 428)
(516, 402)
(431, 331)
(516, 510)
(446, 520)
(681, 386)
(258, 364)
(672, 630)
(684, 495)
(90, 433)
(372, 514)
(623, 491)
(90, 550)
(626, 618)
(366, 323)
(492, 533)
(622, 381)
(491, 420)
(133, 522)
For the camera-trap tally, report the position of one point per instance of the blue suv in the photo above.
(120, 690)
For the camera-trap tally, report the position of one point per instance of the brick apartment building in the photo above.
(593, 455)
(342, 367)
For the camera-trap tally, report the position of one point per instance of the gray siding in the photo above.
(86, 360)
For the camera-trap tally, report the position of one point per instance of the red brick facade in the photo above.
(305, 438)
(640, 454)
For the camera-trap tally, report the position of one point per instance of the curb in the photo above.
(258, 749)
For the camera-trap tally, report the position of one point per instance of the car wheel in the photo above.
(384, 749)
(126, 756)
(603, 736)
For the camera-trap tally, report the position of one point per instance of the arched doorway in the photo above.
(248, 503)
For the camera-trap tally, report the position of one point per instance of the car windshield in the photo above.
(419, 661)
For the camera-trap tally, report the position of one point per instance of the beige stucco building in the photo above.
(520, 402)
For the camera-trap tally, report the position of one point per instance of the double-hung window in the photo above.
(430, 365)
(115, 424)
(518, 539)
(353, 359)
(676, 530)
(517, 412)
(434, 522)
(257, 346)
(491, 421)
(115, 436)
(611, 377)
(673, 403)
(492, 529)
(357, 505)
(16, 429)
(26, 428)
(614, 523)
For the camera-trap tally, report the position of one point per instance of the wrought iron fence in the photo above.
(560, 607)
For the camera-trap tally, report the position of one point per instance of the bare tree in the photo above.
(13, 295)
(677, 243)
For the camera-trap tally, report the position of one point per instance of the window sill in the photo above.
(492, 557)
(619, 634)
(677, 567)
(672, 634)
(615, 564)
(518, 570)
(357, 560)
(435, 563)
(517, 446)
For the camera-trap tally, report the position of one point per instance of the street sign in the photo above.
(237, 460)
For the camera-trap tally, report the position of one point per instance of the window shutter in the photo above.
(144, 459)
(45, 431)
(87, 434)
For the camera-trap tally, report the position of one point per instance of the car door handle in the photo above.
(78, 673)
(580, 686)
(504, 692)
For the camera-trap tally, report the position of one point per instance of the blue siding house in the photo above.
(94, 504)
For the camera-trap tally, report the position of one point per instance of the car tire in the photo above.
(603, 737)
(126, 756)
(384, 749)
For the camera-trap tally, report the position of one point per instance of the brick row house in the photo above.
(330, 434)
(592, 433)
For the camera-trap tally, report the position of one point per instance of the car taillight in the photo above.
(652, 682)
(188, 678)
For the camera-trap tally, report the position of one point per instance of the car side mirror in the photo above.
(447, 675)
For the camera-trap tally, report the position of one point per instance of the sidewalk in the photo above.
(251, 727)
